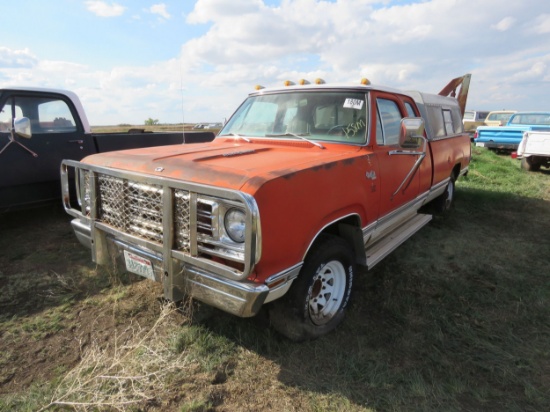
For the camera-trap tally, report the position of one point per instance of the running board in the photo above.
(383, 247)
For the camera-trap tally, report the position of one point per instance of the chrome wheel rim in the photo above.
(327, 292)
(450, 194)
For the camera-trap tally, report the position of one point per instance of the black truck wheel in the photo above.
(444, 202)
(530, 164)
(316, 302)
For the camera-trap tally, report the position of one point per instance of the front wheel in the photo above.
(316, 302)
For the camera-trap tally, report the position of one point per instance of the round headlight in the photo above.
(235, 224)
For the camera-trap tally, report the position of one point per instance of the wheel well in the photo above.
(349, 229)
(456, 172)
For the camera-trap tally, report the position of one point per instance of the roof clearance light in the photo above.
(288, 83)
(303, 81)
(365, 81)
(319, 81)
(259, 87)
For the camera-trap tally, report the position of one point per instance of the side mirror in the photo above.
(411, 135)
(22, 127)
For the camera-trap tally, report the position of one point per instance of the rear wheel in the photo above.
(316, 302)
(444, 202)
(530, 164)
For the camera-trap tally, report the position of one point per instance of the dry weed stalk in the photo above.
(131, 371)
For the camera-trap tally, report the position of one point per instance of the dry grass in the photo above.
(131, 370)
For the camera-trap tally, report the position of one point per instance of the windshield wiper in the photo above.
(299, 136)
(237, 136)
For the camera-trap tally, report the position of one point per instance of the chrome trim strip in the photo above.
(437, 190)
(393, 217)
(289, 273)
(324, 227)
(280, 283)
(368, 231)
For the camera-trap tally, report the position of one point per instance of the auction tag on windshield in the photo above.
(356, 104)
(139, 265)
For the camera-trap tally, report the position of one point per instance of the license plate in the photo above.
(480, 144)
(139, 265)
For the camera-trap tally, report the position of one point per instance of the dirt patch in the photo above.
(51, 299)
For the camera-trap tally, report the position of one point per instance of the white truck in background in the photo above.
(534, 150)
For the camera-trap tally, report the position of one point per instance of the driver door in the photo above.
(399, 178)
(29, 168)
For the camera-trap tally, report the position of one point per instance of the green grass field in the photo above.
(456, 319)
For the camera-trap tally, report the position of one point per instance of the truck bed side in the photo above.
(107, 142)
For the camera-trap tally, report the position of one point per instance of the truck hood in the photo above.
(224, 162)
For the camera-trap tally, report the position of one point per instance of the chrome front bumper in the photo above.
(240, 298)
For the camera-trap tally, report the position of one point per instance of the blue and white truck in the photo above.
(509, 136)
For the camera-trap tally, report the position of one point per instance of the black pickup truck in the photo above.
(41, 127)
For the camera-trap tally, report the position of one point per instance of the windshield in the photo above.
(502, 117)
(316, 115)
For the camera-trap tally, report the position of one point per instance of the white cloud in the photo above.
(102, 9)
(216, 10)
(542, 24)
(419, 45)
(160, 9)
(504, 24)
(16, 58)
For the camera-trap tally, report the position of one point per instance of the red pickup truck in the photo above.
(303, 183)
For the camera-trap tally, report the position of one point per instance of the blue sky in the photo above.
(195, 61)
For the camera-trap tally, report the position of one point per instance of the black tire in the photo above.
(444, 202)
(316, 301)
(530, 164)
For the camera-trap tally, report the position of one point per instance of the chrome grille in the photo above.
(204, 219)
(181, 220)
(135, 208)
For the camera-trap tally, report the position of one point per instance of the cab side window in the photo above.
(55, 116)
(410, 110)
(6, 115)
(389, 122)
(444, 121)
(47, 115)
